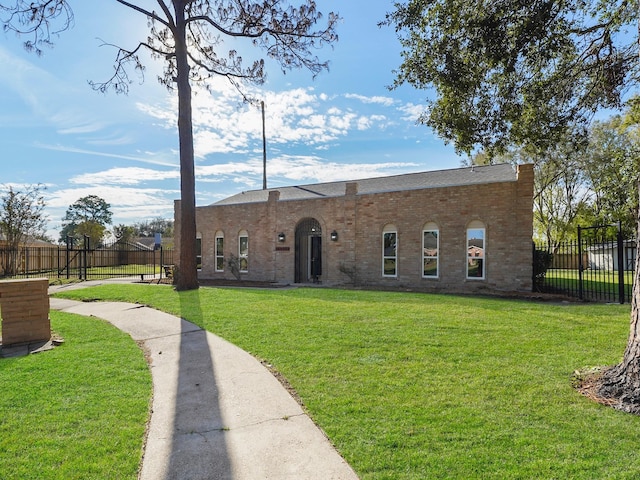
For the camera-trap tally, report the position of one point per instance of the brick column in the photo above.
(24, 308)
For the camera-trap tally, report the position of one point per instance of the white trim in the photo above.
(199, 237)
(219, 235)
(243, 234)
(387, 231)
(431, 227)
(481, 252)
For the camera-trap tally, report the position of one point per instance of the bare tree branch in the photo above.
(147, 13)
(120, 80)
(39, 20)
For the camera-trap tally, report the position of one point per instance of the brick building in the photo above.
(461, 230)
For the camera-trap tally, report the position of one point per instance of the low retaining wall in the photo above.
(24, 308)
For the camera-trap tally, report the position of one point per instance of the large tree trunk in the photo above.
(621, 384)
(186, 276)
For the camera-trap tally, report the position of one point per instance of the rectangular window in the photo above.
(476, 253)
(219, 254)
(389, 254)
(199, 253)
(430, 246)
(243, 253)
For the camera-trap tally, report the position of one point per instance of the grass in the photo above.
(595, 283)
(95, 273)
(414, 386)
(78, 411)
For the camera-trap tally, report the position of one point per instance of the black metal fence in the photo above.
(78, 260)
(598, 266)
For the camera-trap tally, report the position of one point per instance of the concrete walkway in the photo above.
(217, 412)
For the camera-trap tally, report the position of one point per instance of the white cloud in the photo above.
(385, 101)
(222, 123)
(309, 169)
(114, 195)
(111, 140)
(293, 169)
(411, 112)
(124, 176)
(74, 122)
(170, 161)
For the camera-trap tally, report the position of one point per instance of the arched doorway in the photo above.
(308, 251)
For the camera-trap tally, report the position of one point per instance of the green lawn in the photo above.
(97, 273)
(415, 386)
(78, 411)
(596, 283)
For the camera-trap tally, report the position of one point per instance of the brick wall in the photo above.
(504, 208)
(24, 308)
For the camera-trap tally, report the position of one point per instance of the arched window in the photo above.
(219, 251)
(243, 251)
(430, 250)
(389, 251)
(476, 250)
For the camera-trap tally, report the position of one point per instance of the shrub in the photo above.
(541, 262)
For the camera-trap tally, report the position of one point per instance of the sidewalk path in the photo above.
(217, 412)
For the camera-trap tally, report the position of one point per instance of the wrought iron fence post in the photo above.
(86, 257)
(82, 260)
(620, 264)
(533, 270)
(69, 246)
(580, 264)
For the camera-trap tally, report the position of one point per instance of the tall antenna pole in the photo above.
(264, 151)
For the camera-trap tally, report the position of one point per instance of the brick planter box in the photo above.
(24, 308)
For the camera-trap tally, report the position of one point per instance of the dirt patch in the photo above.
(596, 384)
(588, 382)
(283, 381)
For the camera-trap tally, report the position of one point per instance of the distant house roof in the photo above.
(150, 242)
(411, 181)
(31, 242)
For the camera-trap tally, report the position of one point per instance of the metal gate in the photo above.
(116, 259)
(598, 266)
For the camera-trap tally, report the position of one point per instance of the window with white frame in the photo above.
(243, 251)
(430, 250)
(389, 251)
(199, 251)
(476, 251)
(219, 252)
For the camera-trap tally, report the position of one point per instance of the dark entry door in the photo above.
(316, 258)
(308, 255)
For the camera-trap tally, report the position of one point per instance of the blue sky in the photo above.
(344, 124)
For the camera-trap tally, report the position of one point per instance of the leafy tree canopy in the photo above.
(89, 216)
(22, 214)
(515, 71)
(124, 233)
(22, 219)
(583, 180)
(148, 228)
(90, 208)
(612, 168)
